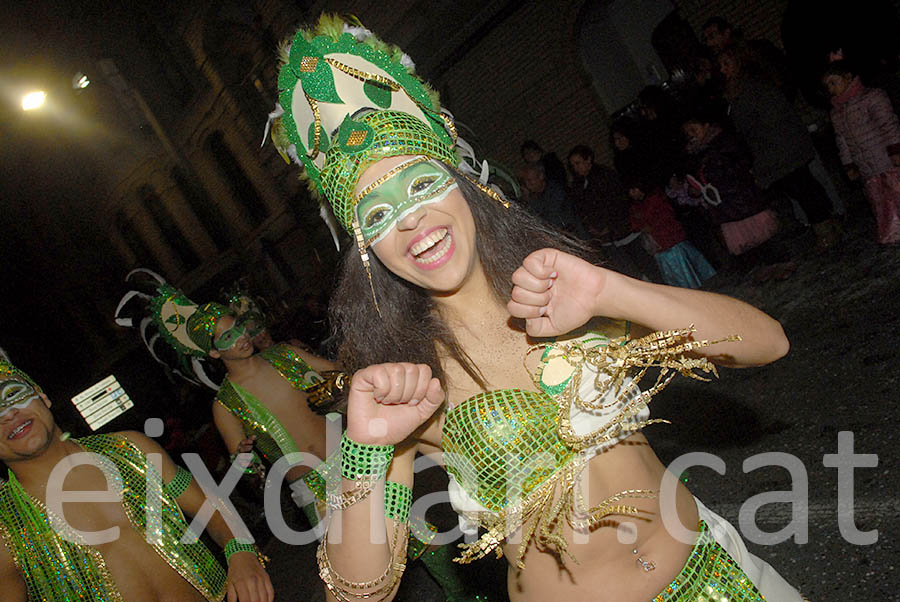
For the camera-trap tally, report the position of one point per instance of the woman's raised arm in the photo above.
(556, 292)
(364, 557)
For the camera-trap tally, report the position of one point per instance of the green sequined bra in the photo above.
(519, 454)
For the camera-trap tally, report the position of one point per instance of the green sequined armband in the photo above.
(180, 483)
(359, 460)
(397, 501)
(238, 545)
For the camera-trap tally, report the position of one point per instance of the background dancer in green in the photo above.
(263, 402)
(50, 552)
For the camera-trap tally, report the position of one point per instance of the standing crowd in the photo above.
(708, 174)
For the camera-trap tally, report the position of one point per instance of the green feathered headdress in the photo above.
(188, 327)
(347, 99)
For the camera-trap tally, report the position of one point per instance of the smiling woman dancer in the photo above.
(545, 454)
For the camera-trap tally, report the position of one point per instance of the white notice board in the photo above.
(102, 402)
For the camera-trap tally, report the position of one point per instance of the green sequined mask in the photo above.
(415, 183)
(393, 134)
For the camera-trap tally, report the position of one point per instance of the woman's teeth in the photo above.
(437, 244)
(428, 242)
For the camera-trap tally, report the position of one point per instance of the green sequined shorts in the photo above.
(710, 575)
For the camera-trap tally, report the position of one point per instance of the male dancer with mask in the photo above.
(105, 548)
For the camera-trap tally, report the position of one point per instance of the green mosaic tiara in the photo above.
(334, 77)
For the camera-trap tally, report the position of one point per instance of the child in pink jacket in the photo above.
(868, 138)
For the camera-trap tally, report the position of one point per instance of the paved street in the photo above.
(840, 311)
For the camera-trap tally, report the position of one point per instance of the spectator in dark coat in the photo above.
(547, 199)
(761, 58)
(779, 143)
(602, 207)
(598, 197)
(630, 156)
(661, 134)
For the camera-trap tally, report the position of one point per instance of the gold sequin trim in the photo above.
(613, 363)
(317, 135)
(362, 75)
(387, 176)
(356, 138)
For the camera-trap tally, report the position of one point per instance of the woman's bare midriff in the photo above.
(607, 568)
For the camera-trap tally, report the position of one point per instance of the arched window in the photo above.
(135, 242)
(170, 64)
(238, 46)
(242, 188)
(209, 214)
(170, 230)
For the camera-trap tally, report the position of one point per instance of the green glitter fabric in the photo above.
(710, 574)
(291, 366)
(189, 328)
(502, 445)
(56, 569)
(397, 501)
(360, 460)
(307, 71)
(236, 545)
(180, 483)
(314, 76)
(201, 326)
(272, 440)
(317, 479)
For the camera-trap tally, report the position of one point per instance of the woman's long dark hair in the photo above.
(409, 329)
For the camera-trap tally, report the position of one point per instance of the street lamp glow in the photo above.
(80, 81)
(33, 100)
